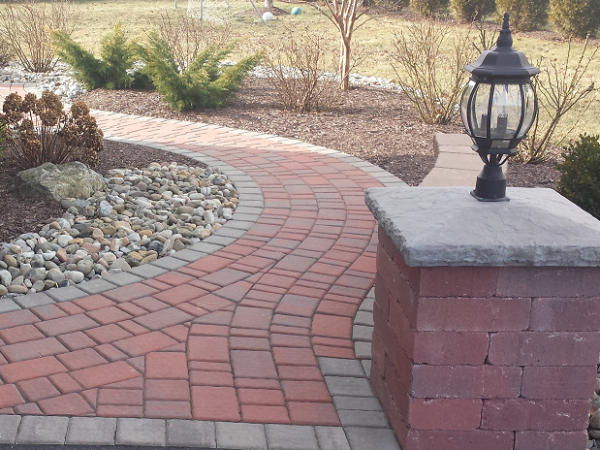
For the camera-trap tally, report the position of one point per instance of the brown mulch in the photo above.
(377, 125)
(20, 215)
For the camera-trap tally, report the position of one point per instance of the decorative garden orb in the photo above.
(267, 16)
(296, 11)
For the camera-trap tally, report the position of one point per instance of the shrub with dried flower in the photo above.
(40, 131)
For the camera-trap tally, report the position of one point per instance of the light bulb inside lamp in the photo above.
(502, 122)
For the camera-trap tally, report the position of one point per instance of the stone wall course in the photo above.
(544, 349)
(473, 314)
(540, 440)
(558, 382)
(484, 381)
(565, 314)
(445, 414)
(535, 415)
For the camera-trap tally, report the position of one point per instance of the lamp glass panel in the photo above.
(479, 110)
(529, 99)
(464, 103)
(506, 111)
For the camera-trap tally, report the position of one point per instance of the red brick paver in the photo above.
(234, 336)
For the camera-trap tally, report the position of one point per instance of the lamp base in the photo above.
(491, 184)
(481, 199)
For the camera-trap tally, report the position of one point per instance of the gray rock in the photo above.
(104, 208)
(64, 224)
(38, 286)
(37, 274)
(85, 266)
(55, 275)
(71, 180)
(75, 276)
(5, 277)
(63, 240)
(121, 264)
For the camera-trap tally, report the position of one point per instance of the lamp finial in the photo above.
(505, 38)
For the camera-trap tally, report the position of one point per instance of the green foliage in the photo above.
(580, 174)
(113, 71)
(525, 15)
(205, 83)
(429, 8)
(469, 10)
(575, 17)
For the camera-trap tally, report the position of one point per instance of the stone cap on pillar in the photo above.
(448, 227)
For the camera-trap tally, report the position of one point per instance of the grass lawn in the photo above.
(374, 39)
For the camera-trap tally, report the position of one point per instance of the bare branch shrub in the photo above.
(344, 15)
(297, 68)
(560, 87)
(6, 53)
(24, 26)
(428, 62)
(39, 131)
(485, 39)
(187, 37)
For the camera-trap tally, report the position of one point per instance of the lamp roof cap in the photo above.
(502, 62)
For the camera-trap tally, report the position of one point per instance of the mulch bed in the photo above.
(377, 125)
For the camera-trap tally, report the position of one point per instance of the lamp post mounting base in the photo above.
(487, 200)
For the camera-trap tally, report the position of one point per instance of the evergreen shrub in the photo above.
(429, 8)
(205, 83)
(112, 71)
(580, 174)
(469, 10)
(575, 17)
(525, 15)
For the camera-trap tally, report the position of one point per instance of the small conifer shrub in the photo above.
(205, 83)
(580, 174)
(575, 17)
(429, 8)
(112, 71)
(525, 15)
(469, 10)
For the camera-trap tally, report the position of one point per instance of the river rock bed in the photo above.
(142, 215)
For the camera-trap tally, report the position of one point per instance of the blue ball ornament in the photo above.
(296, 10)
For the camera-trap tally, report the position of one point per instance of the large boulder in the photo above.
(71, 180)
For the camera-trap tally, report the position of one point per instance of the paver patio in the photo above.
(259, 324)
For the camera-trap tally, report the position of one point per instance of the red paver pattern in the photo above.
(231, 337)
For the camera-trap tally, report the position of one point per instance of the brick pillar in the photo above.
(473, 357)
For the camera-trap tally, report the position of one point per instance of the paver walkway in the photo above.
(254, 325)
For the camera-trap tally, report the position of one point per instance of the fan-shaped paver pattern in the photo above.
(232, 336)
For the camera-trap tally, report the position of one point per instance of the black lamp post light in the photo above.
(498, 107)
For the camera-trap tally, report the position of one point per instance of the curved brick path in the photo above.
(253, 325)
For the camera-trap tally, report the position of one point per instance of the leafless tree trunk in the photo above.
(344, 15)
